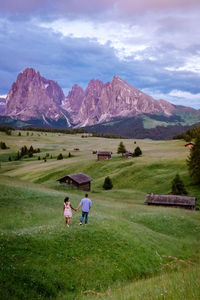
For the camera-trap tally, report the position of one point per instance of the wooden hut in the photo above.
(101, 155)
(80, 180)
(171, 200)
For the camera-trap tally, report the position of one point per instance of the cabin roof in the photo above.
(170, 199)
(78, 177)
(104, 152)
(188, 144)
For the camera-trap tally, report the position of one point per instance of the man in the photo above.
(86, 204)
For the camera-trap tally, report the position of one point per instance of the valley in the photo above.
(128, 250)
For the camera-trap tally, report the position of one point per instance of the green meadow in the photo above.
(127, 251)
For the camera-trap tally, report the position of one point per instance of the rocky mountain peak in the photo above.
(104, 102)
(74, 100)
(33, 96)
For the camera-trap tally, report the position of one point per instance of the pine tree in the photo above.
(24, 150)
(31, 150)
(60, 156)
(137, 151)
(18, 156)
(3, 145)
(193, 160)
(69, 155)
(9, 158)
(178, 187)
(121, 148)
(107, 183)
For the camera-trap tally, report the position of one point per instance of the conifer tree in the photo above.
(3, 145)
(178, 187)
(137, 151)
(193, 160)
(31, 150)
(107, 183)
(18, 156)
(60, 156)
(121, 148)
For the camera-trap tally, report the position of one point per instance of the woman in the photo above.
(67, 210)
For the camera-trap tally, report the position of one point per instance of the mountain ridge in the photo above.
(34, 99)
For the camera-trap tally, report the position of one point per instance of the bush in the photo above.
(137, 151)
(178, 186)
(107, 183)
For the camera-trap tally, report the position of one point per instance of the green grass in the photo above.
(127, 251)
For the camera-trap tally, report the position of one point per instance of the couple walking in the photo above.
(86, 204)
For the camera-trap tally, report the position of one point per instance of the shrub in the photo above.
(137, 151)
(178, 187)
(107, 183)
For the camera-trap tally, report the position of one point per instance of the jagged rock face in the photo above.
(33, 96)
(74, 101)
(103, 102)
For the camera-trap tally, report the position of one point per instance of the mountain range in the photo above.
(35, 100)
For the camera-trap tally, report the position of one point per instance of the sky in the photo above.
(154, 45)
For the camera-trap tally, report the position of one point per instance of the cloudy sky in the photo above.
(152, 44)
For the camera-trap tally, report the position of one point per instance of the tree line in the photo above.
(189, 134)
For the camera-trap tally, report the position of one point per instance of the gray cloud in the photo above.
(167, 62)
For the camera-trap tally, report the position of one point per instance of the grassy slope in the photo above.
(125, 240)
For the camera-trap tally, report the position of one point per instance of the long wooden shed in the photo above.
(171, 200)
(79, 180)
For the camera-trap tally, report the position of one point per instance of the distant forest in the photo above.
(189, 134)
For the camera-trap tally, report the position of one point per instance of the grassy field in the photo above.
(127, 251)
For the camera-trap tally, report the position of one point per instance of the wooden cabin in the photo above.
(101, 155)
(171, 200)
(80, 181)
(189, 145)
